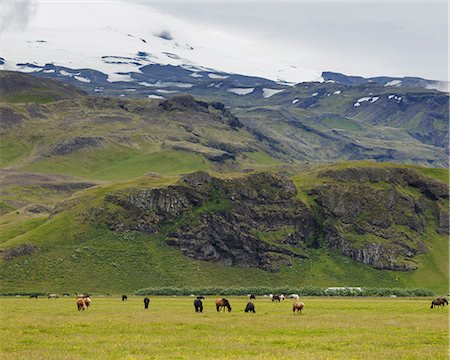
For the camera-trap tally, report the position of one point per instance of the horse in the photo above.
(201, 297)
(222, 303)
(252, 296)
(81, 305)
(250, 307)
(146, 302)
(443, 299)
(276, 298)
(439, 302)
(124, 298)
(87, 301)
(198, 305)
(294, 296)
(298, 306)
(33, 296)
(282, 297)
(53, 296)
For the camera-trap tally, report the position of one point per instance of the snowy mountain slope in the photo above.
(139, 36)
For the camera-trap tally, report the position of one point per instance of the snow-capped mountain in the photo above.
(129, 36)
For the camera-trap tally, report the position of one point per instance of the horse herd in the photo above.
(84, 301)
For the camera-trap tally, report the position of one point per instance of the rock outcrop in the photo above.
(374, 216)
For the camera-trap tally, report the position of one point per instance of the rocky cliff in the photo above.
(373, 215)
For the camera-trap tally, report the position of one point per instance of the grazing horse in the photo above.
(83, 302)
(439, 302)
(81, 305)
(198, 305)
(252, 296)
(294, 296)
(53, 296)
(87, 301)
(250, 307)
(282, 297)
(124, 298)
(33, 296)
(222, 303)
(146, 302)
(276, 298)
(298, 306)
(443, 299)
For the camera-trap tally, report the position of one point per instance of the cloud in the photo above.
(15, 15)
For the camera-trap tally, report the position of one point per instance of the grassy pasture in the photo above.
(330, 328)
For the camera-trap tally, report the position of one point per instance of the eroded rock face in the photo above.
(376, 218)
(221, 220)
(21, 250)
(380, 226)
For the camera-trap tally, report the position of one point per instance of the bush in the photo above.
(286, 290)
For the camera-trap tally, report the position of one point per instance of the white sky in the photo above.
(356, 38)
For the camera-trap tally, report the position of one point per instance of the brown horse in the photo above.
(298, 306)
(222, 303)
(439, 302)
(81, 304)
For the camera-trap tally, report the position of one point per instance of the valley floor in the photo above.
(330, 328)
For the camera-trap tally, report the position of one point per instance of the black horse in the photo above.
(201, 297)
(124, 298)
(252, 296)
(276, 297)
(33, 296)
(146, 302)
(198, 305)
(439, 302)
(250, 307)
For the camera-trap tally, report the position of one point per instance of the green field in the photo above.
(329, 328)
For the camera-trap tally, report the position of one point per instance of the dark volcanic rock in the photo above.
(380, 225)
(182, 103)
(21, 250)
(378, 218)
(219, 220)
(9, 118)
(75, 144)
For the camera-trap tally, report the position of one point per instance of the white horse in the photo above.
(294, 296)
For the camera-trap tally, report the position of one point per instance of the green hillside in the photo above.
(74, 252)
(79, 210)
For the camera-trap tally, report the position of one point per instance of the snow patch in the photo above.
(216, 76)
(375, 98)
(393, 83)
(82, 79)
(337, 92)
(49, 71)
(119, 77)
(295, 101)
(241, 91)
(315, 94)
(162, 91)
(164, 84)
(155, 97)
(195, 75)
(66, 73)
(267, 93)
